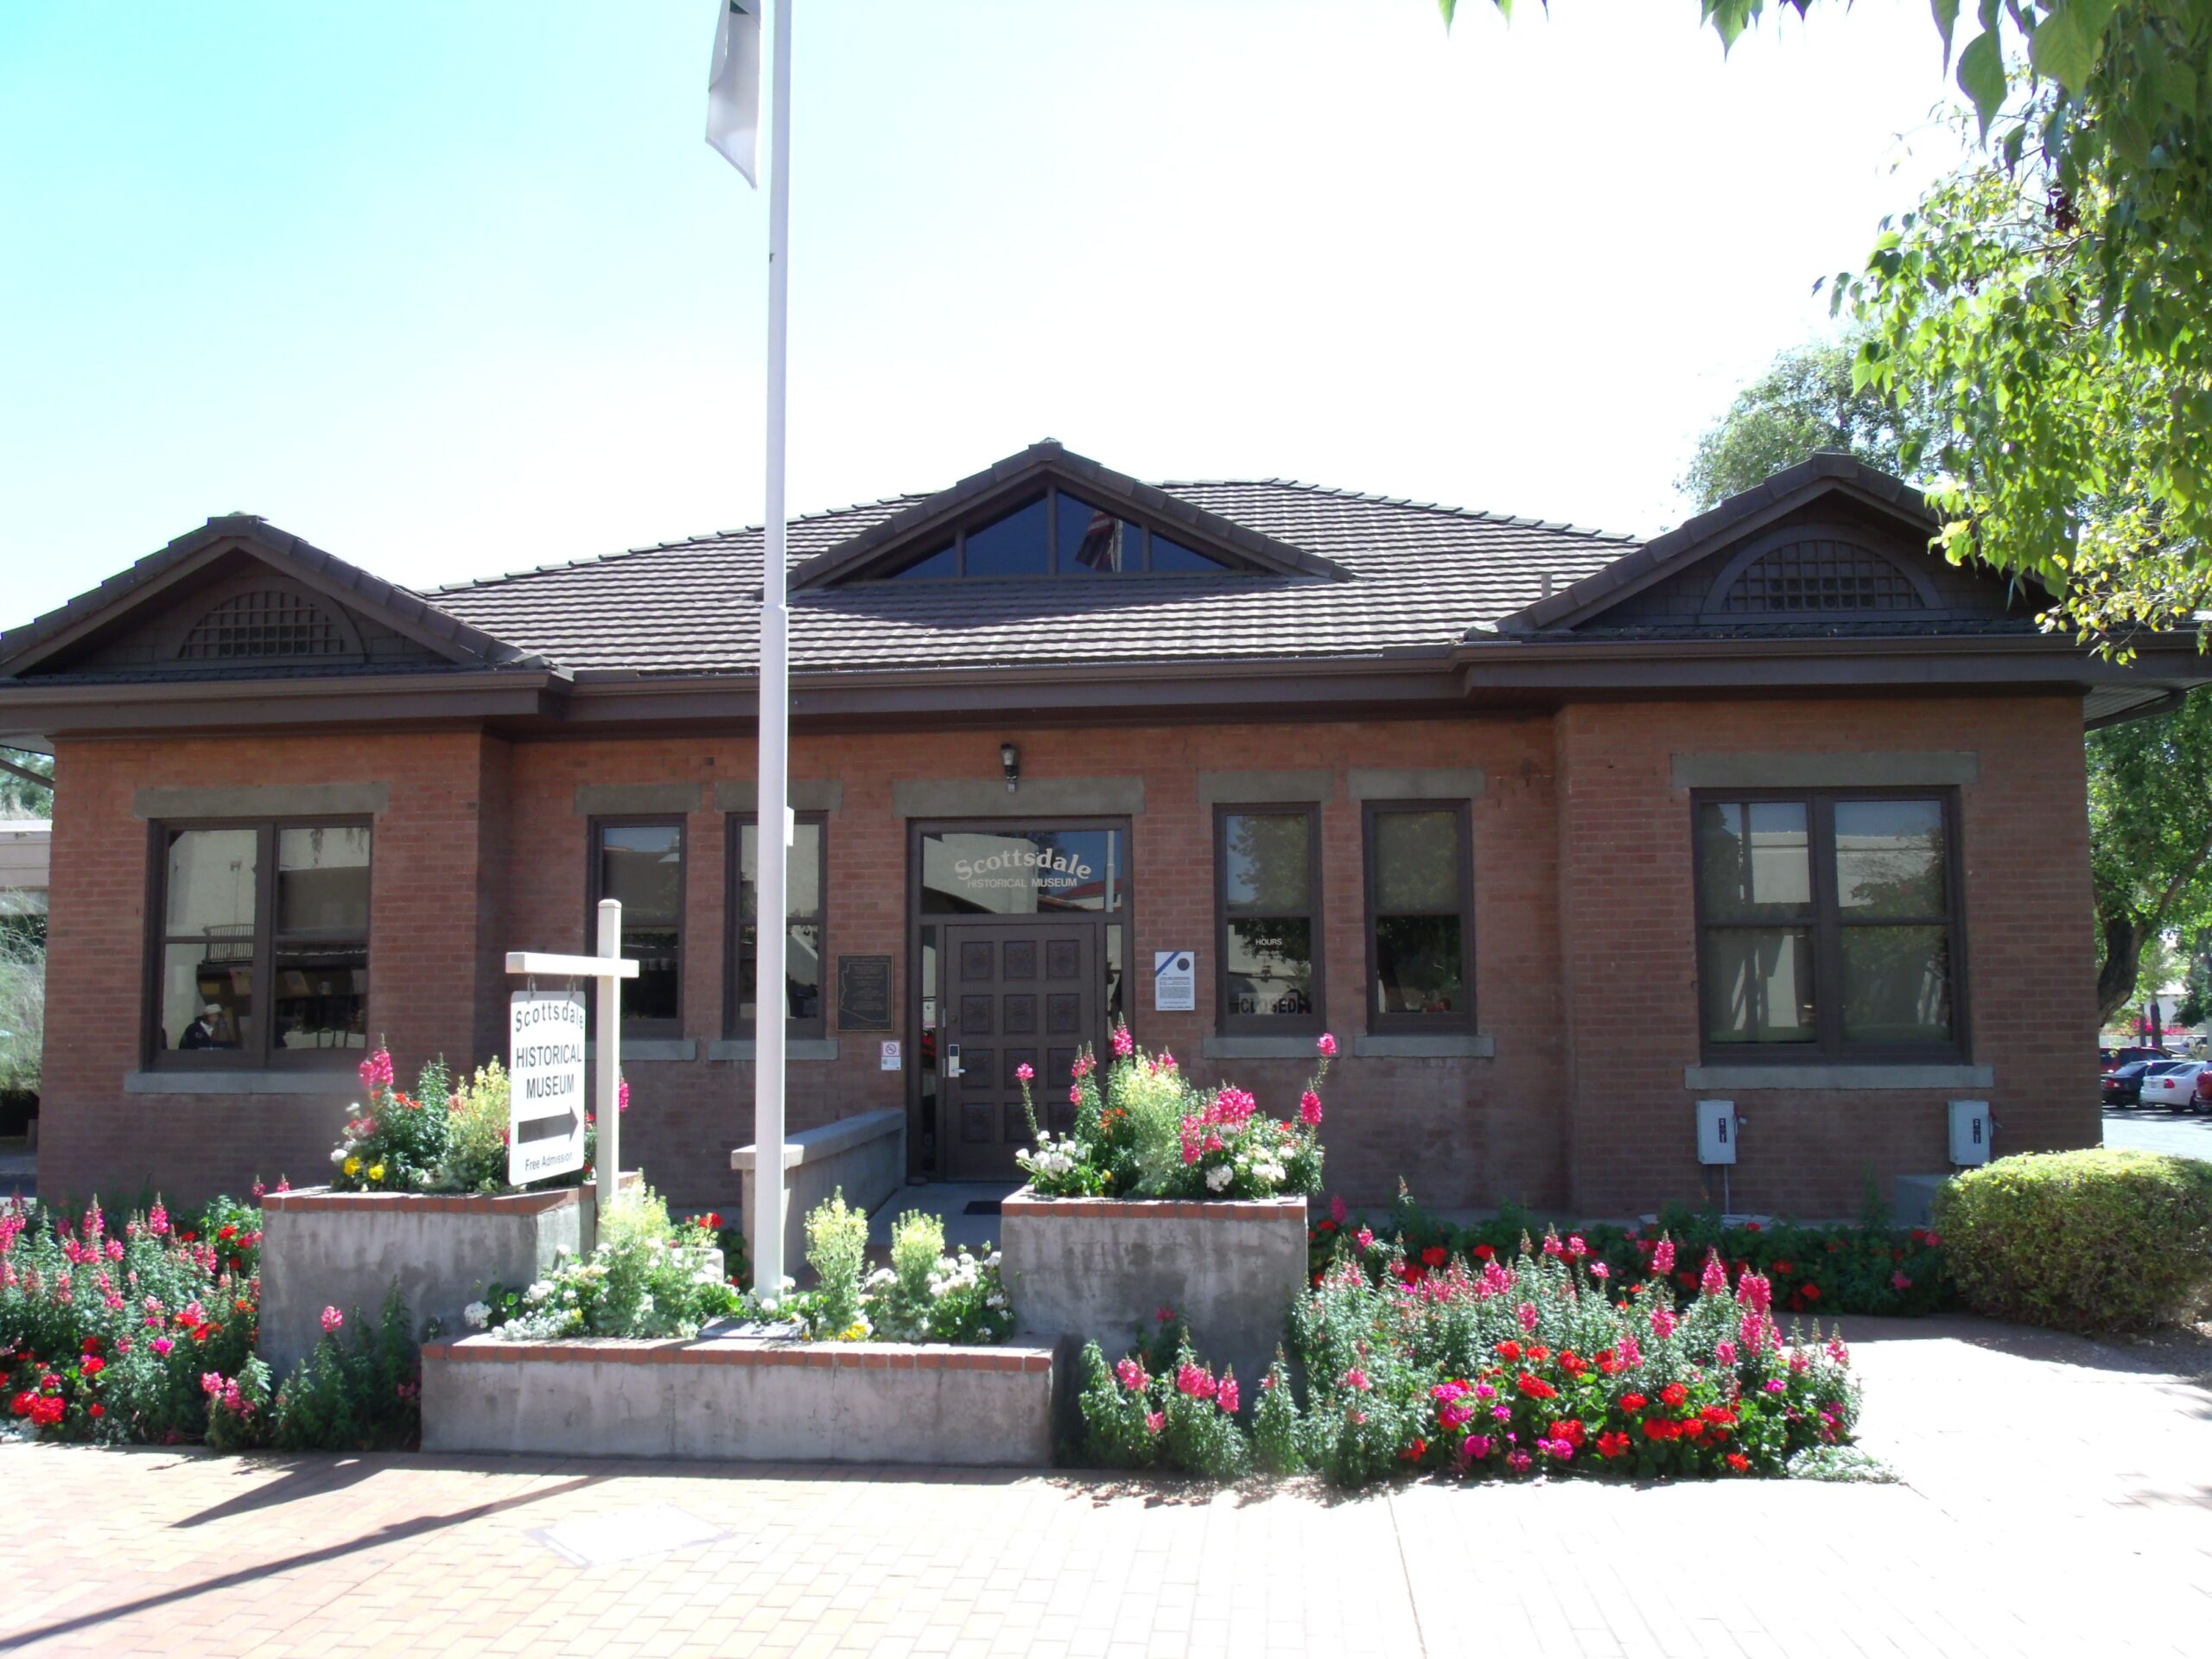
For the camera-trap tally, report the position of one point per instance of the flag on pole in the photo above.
(733, 88)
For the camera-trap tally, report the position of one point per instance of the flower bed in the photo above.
(1869, 1267)
(111, 1334)
(1144, 1131)
(449, 1135)
(1507, 1371)
(741, 1398)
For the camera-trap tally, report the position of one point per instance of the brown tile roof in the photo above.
(1418, 577)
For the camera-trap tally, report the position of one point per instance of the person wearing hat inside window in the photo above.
(206, 1032)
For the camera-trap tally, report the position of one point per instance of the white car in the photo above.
(2172, 1085)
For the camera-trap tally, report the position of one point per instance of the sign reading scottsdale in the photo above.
(545, 1071)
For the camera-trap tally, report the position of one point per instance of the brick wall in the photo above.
(483, 851)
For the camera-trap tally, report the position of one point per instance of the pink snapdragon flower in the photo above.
(1365, 1235)
(1124, 1045)
(1662, 1322)
(1756, 1291)
(1356, 1379)
(332, 1318)
(1723, 1353)
(1131, 1375)
(1714, 1280)
(376, 1071)
(1154, 1421)
(1337, 1209)
(1327, 1046)
(1662, 1257)
(1025, 1072)
(1195, 1381)
(1527, 1315)
(1309, 1109)
(1225, 1396)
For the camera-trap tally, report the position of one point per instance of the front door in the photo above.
(1018, 994)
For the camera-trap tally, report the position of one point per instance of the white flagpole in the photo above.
(770, 836)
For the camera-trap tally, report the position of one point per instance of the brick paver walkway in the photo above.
(2057, 1500)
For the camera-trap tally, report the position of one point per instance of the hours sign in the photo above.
(545, 1070)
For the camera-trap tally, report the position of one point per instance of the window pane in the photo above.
(1759, 985)
(1023, 871)
(1416, 860)
(937, 563)
(322, 881)
(802, 972)
(211, 882)
(1269, 961)
(653, 994)
(802, 872)
(321, 997)
(1117, 980)
(642, 865)
(1266, 859)
(1173, 556)
(1755, 858)
(1093, 542)
(1011, 546)
(1889, 857)
(207, 994)
(1418, 968)
(1896, 984)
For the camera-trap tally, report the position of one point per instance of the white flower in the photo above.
(1220, 1176)
(476, 1313)
(337, 1154)
(540, 1290)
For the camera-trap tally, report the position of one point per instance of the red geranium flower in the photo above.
(1674, 1394)
(1416, 1451)
(1738, 1462)
(1509, 1351)
(1485, 1253)
(1810, 1293)
(1435, 1257)
(1535, 1388)
(1658, 1428)
(1633, 1402)
(1612, 1446)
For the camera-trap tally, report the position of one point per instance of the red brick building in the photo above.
(1558, 833)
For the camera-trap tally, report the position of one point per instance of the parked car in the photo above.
(2203, 1102)
(2120, 1057)
(2173, 1085)
(2123, 1084)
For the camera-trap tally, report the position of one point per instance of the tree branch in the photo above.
(27, 775)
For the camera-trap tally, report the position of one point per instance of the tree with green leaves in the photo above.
(2051, 299)
(21, 794)
(1808, 401)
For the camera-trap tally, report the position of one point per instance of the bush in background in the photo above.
(23, 1006)
(2098, 1240)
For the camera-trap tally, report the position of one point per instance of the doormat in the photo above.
(981, 1207)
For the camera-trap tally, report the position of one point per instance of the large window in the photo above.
(1268, 883)
(640, 861)
(260, 943)
(1829, 926)
(1420, 916)
(1056, 534)
(805, 958)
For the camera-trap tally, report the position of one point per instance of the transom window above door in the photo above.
(1055, 533)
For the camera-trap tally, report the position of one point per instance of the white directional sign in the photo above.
(545, 1071)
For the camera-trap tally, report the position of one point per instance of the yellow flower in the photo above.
(353, 1166)
(376, 1172)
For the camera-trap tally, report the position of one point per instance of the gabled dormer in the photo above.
(1047, 514)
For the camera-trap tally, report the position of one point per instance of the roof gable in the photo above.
(238, 578)
(1830, 536)
(892, 547)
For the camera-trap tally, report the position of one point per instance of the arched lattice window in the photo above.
(1822, 575)
(264, 624)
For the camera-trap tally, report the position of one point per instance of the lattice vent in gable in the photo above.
(265, 625)
(1822, 575)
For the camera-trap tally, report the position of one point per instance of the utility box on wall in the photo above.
(1970, 1127)
(1716, 1131)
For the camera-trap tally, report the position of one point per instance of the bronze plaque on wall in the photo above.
(864, 993)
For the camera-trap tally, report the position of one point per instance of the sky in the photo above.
(451, 289)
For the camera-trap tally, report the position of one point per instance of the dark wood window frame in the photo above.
(1261, 1025)
(1829, 1046)
(1459, 1019)
(632, 1026)
(956, 541)
(733, 1026)
(156, 1055)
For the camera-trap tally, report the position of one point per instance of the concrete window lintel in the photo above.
(1804, 1079)
(989, 797)
(242, 1082)
(807, 795)
(1266, 788)
(1864, 769)
(1415, 782)
(626, 800)
(1440, 1046)
(263, 801)
(795, 1048)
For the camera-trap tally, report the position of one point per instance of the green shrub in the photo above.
(476, 1140)
(2101, 1240)
(837, 1248)
(358, 1396)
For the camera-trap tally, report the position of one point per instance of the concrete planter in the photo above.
(865, 1157)
(1095, 1268)
(741, 1399)
(320, 1248)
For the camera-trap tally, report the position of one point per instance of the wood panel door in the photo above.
(1019, 994)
